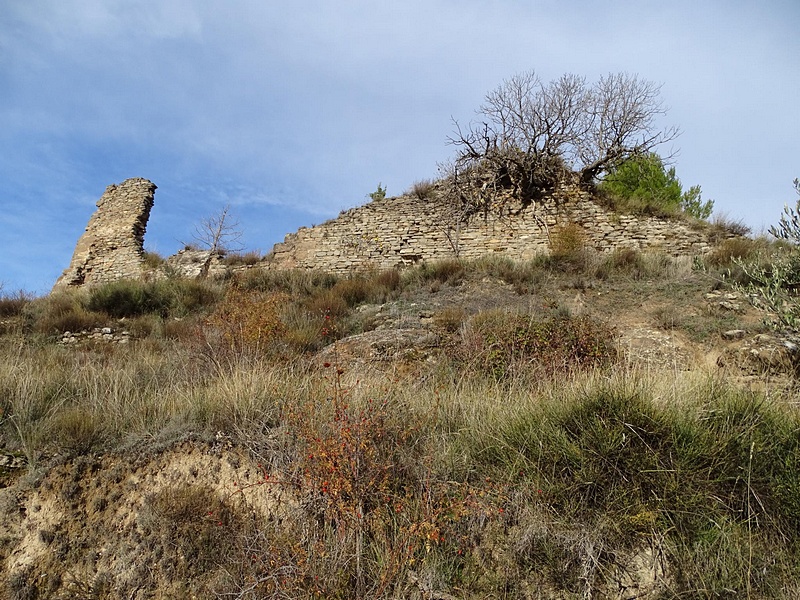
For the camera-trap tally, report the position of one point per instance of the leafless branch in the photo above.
(531, 135)
(218, 234)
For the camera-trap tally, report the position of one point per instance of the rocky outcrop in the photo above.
(112, 246)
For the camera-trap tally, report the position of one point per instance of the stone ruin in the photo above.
(112, 247)
(385, 233)
(405, 230)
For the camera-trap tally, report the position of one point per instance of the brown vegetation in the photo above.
(532, 452)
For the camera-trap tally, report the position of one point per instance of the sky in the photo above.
(294, 111)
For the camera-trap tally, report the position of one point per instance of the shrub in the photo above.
(378, 194)
(445, 271)
(188, 296)
(193, 526)
(503, 344)
(730, 250)
(642, 184)
(522, 275)
(298, 283)
(248, 322)
(126, 298)
(669, 318)
(774, 286)
(450, 319)
(722, 227)
(12, 305)
(152, 260)
(169, 297)
(354, 291)
(236, 259)
(622, 261)
(389, 279)
(61, 311)
(568, 248)
(424, 189)
(327, 303)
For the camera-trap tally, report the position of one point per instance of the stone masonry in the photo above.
(112, 246)
(405, 230)
(387, 233)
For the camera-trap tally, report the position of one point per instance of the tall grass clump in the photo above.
(603, 465)
(12, 305)
(505, 344)
(64, 310)
(523, 275)
(626, 262)
(166, 297)
(239, 259)
(424, 189)
(450, 271)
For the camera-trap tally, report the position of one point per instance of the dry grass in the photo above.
(526, 458)
(423, 190)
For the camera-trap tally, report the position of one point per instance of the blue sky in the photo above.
(292, 112)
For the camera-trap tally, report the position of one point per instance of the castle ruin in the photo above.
(405, 230)
(388, 233)
(112, 246)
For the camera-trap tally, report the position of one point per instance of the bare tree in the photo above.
(218, 234)
(623, 114)
(532, 135)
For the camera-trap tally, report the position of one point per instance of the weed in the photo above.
(423, 190)
(506, 344)
(450, 271)
(12, 305)
(248, 322)
(237, 259)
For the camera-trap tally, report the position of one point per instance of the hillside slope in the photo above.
(574, 426)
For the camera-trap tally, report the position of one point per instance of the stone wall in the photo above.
(382, 234)
(111, 247)
(405, 230)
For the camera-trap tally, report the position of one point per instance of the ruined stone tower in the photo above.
(111, 248)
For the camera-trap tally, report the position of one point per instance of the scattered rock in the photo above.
(98, 334)
(734, 334)
(12, 461)
(381, 346)
(775, 353)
